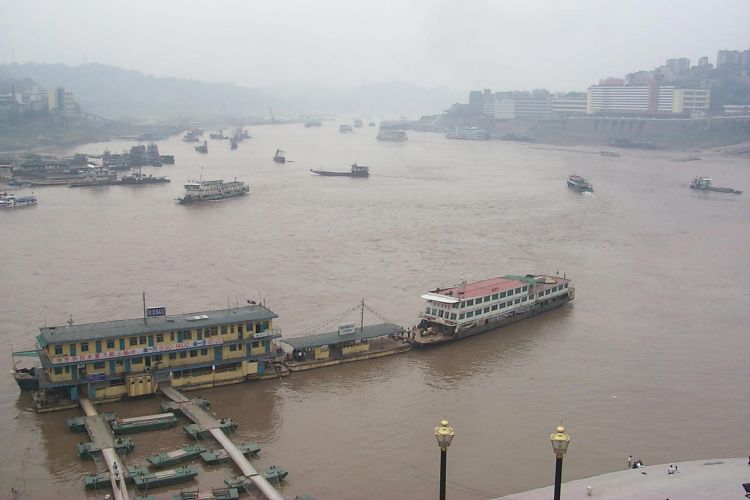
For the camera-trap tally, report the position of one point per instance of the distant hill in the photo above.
(124, 94)
(117, 93)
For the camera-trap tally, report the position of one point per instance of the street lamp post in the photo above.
(560, 442)
(444, 435)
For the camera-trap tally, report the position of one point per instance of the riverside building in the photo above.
(126, 358)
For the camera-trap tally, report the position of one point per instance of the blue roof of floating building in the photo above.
(332, 338)
(159, 324)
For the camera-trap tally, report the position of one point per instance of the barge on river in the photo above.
(471, 308)
(349, 343)
(126, 358)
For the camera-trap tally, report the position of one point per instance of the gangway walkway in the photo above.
(198, 415)
(100, 434)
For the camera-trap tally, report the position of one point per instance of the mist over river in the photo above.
(650, 360)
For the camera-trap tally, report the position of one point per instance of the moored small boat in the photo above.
(225, 424)
(121, 445)
(213, 457)
(275, 473)
(104, 479)
(165, 477)
(144, 423)
(279, 156)
(214, 494)
(78, 424)
(174, 457)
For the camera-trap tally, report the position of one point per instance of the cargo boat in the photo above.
(578, 183)
(704, 184)
(144, 423)
(174, 457)
(470, 308)
(356, 171)
(164, 478)
(201, 190)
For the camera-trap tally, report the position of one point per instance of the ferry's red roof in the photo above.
(480, 288)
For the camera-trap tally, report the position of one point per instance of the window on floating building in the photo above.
(58, 350)
(160, 337)
(84, 346)
(111, 344)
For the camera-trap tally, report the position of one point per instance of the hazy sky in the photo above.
(511, 44)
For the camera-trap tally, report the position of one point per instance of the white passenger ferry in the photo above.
(470, 308)
(212, 190)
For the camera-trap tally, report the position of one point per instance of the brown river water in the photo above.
(651, 359)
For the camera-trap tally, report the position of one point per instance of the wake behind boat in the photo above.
(201, 190)
(356, 171)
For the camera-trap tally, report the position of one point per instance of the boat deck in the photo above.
(100, 433)
(198, 415)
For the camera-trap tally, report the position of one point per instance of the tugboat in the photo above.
(704, 184)
(203, 148)
(578, 183)
(279, 156)
(201, 190)
(356, 171)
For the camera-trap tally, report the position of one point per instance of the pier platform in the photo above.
(192, 410)
(718, 478)
(99, 431)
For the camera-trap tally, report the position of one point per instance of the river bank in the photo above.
(722, 478)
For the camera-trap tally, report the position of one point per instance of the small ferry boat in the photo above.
(470, 308)
(174, 457)
(578, 183)
(201, 190)
(11, 201)
(203, 148)
(467, 133)
(144, 423)
(279, 156)
(165, 478)
(705, 184)
(344, 128)
(392, 135)
(356, 171)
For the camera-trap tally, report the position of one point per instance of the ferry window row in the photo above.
(488, 298)
(493, 307)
